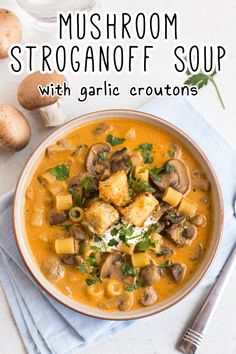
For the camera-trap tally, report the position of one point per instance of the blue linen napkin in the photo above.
(45, 325)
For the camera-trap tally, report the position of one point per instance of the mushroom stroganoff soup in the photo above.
(118, 214)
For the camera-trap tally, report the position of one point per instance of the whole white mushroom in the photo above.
(10, 31)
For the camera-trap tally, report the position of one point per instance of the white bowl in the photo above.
(20, 233)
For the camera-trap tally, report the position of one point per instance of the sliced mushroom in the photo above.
(173, 232)
(198, 254)
(149, 296)
(165, 251)
(102, 129)
(56, 217)
(178, 271)
(96, 161)
(199, 220)
(112, 267)
(188, 231)
(78, 232)
(160, 209)
(126, 301)
(149, 275)
(173, 217)
(181, 234)
(120, 160)
(70, 259)
(76, 183)
(53, 269)
(176, 175)
(200, 180)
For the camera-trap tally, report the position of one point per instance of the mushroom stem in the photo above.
(52, 115)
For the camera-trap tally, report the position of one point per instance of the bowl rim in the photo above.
(173, 127)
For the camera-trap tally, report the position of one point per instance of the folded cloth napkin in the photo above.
(45, 325)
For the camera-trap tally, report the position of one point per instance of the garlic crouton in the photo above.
(100, 216)
(137, 212)
(115, 189)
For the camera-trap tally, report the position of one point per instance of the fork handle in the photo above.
(193, 336)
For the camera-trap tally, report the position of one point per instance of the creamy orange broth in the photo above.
(41, 239)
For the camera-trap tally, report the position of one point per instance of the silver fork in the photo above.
(193, 336)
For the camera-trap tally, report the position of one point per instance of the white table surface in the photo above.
(211, 21)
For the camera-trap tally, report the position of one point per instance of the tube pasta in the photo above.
(156, 238)
(187, 207)
(114, 288)
(56, 187)
(64, 201)
(124, 248)
(140, 259)
(76, 214)
(47, 177)
(172, 197)
(141, 172)
(95, 291)
(37, 217)
(65, 246)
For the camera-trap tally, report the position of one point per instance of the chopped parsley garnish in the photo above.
(88, 184)
(81, 267)
(146, 242)
(112, 242)
(128, 269)
(167, 264)
(97, 238)
(140, 185)
(129, 164)
(155, 173)
(96, 249)
(90, 281)
(168, 168)
(145, 150)
(61, 172)
(114, 232)
(92, 261)
(113, 140)
(82, 247)
(125, 232)
(171, 153)
(66, 226)
(79, 200)
(102, 156)
(135, 286)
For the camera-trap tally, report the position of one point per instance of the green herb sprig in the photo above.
(200, 80)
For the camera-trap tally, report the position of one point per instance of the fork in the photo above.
(193, 336)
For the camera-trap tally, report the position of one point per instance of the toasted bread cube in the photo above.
(115, 189)
(137, 212)
(100, 216)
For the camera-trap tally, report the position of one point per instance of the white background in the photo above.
(211, 21)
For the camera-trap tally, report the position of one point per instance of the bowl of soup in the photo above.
(118, 214)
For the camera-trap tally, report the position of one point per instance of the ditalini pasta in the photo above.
(114, 218)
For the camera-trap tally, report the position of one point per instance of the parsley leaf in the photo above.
(145, 150)
(97, 238)
(81, 267)
(102, 155)
(200, 79)
(88, 184)
(125, 232)
(61, 172)
(146, 242)
(128, 269)
(90, 281)
(167, 264)
(92, 261)
(112, 243)
(96, 249)
(135, 286)
(140, 185)
(154, 172)
(113, 140)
